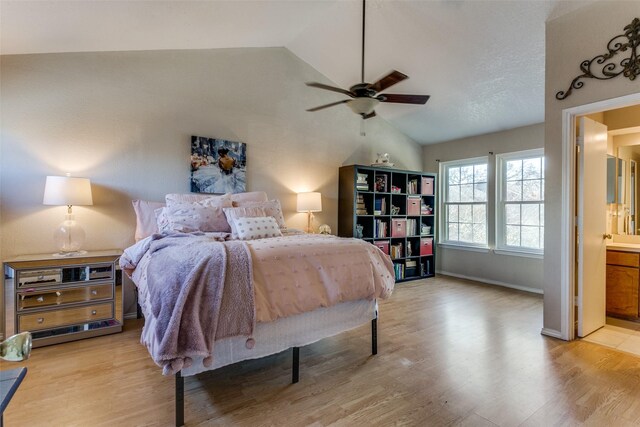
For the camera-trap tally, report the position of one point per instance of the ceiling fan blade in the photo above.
(404, 99)
(331, 88)
(328, 105)
(368, 116)
(388, 81)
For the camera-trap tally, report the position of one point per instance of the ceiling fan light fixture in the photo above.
(363, 105)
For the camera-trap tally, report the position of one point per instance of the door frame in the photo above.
(568, 218)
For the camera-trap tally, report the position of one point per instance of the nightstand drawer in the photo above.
(64, 296)
(69, 316)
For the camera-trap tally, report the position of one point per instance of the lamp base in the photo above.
(69, 236)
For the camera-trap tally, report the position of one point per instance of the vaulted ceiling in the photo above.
(482, 62)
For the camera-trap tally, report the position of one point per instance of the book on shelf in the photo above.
(412, 227)
(399, 270)
(396, 250)
(361, 208)
(380, 206)
(412, 263)
(412, 186)
(381, 229)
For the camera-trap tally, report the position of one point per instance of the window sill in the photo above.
(523, 254)
(483, 249)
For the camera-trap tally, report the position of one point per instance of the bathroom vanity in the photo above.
(623, 280)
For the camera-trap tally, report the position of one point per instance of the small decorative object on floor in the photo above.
(383, 161)
(324, 229)
(16, 348)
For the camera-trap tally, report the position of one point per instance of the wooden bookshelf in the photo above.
(379, 203)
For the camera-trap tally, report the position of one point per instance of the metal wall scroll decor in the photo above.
(602, 67)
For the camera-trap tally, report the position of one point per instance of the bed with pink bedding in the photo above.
(209, 301)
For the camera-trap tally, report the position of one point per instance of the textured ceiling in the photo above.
(482, 62)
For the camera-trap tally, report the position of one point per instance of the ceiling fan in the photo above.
(365, 97)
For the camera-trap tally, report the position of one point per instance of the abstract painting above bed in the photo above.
(218, 166)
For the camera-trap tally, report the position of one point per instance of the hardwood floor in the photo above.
(451, 352)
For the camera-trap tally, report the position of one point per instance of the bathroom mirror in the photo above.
(616, 182)
(611, 179)
(627, 208)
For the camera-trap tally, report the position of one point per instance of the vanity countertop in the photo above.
(624, 247)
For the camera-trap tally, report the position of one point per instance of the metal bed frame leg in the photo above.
(179, 399)
(295, 377)
(374, 336)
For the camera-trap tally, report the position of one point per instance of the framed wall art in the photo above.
(218, 166)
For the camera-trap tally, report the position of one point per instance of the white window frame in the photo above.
(501, 247)
(444, 167)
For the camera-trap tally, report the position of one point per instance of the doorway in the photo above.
(583, 233)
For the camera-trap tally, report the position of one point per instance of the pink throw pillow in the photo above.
(145, 218)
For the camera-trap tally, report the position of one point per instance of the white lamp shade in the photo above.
(66, 190)
(309, 202)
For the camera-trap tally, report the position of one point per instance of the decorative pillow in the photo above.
(193, 198)
(258, 227)
(271, 208)
(188, 217)
(145, 218)
(233, 213)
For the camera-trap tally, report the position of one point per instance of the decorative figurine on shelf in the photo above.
(324, 229)
(359, 230)
(383, 161)
(395, 210)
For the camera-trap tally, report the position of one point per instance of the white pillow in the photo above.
(259, 227)
(233, 213)
(271, 208)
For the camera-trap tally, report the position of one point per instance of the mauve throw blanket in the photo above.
(201, 291)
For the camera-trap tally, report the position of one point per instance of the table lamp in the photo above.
(309, 202)
(69, 191)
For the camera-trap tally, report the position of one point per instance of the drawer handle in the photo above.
(40, 319)
(94, 312)
(94, 292)
(40, 299)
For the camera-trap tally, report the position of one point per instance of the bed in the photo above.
(302, 288)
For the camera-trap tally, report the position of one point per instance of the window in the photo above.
(465, 202)
(520, 207)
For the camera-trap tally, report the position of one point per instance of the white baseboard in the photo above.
(552, 333)
(492, 282)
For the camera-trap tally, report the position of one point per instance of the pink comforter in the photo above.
(299, 273)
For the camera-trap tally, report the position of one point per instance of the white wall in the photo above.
(571, 39)
(490, 267)
(125, 119)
